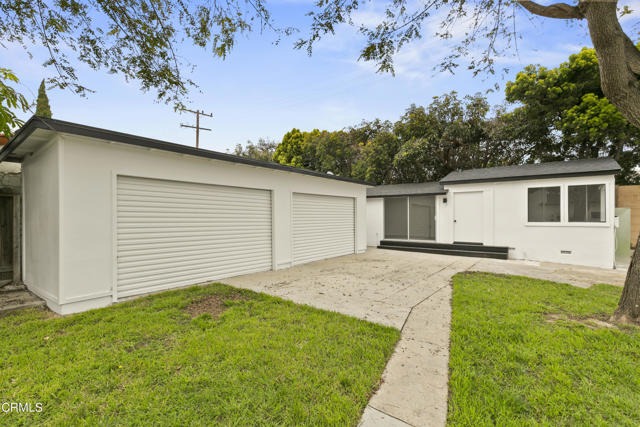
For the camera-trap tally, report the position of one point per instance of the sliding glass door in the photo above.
(422, 218)
(395, 218)
(412, 218)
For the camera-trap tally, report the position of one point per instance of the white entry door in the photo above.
(323, 227)
(172, 234)
(468, 222)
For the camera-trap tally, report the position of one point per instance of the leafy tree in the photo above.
(424, 145)
(365, 131)
(290, 150)
(42, 103)
(564, 115)
(451, 134)
(334, 152)
(10, 102)
(264, 150)
(137, 39)
(376, 158)
(490, 32)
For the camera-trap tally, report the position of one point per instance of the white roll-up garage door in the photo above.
(172, 234)
(323, 227)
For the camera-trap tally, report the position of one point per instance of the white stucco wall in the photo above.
(375, 221)
(41, 237)
(87, 188)
(505, 223)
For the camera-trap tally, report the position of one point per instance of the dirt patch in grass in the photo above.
(212, 304)
(589, 322)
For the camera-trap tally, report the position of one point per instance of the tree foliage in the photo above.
(11, 101)
(564, 114)
(555, 114)
(141, 39)
(290, 150)
(425, 144)
(486, 30)
(264, 150)
(43, 109)
(138, 39)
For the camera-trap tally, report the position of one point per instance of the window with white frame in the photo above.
(543, 204)
(586, 203)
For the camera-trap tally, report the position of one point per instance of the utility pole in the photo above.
(197, 127)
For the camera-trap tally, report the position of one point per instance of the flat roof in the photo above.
(422, 188)
(582, 167)
(15, 150)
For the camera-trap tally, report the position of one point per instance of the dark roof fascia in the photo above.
(92, 132)
(532, 177)
(21, 134)
(439, 193)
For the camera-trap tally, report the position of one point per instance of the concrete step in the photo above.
(18, 300)
(12, 287)
(442, 251)
(471, 247)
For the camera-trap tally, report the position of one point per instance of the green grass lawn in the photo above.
(262, 361)
(524, 352)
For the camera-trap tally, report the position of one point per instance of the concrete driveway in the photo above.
(412, 292)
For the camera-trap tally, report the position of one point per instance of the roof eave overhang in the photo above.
(18, 138)
(439, 193)
(531, 178)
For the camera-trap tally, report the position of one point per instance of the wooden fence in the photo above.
(628, 196)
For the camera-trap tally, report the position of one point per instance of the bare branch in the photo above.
(556, 10)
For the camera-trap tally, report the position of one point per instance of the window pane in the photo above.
(544, 204)
(422, 217)
(577, 203)
(395, 218)
(587, 203)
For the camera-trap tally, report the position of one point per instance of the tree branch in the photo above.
(557, 10)
(632, 55)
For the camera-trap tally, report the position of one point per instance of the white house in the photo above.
(558, 212)
(108, 215)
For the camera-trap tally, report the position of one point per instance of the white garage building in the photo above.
(108, 215)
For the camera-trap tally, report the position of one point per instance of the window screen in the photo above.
(544, 204)
(422, 221)
(395, 218)
(587, 203)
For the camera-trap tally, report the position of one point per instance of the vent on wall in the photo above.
(565, 252)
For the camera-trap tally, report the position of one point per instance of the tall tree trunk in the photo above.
(616, 59)
(628, 310)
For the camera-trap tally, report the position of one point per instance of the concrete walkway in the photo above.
(412, 292)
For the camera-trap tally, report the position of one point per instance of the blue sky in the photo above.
(263, 90)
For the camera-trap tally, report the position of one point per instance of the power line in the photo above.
(197, 127)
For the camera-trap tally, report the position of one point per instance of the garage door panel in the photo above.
(323, 227)
(143, 252)
(150, 271)
(143, 282)
(173, 234)
(181, 280)
(180, 202)
(165, 243)
(167, 262)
